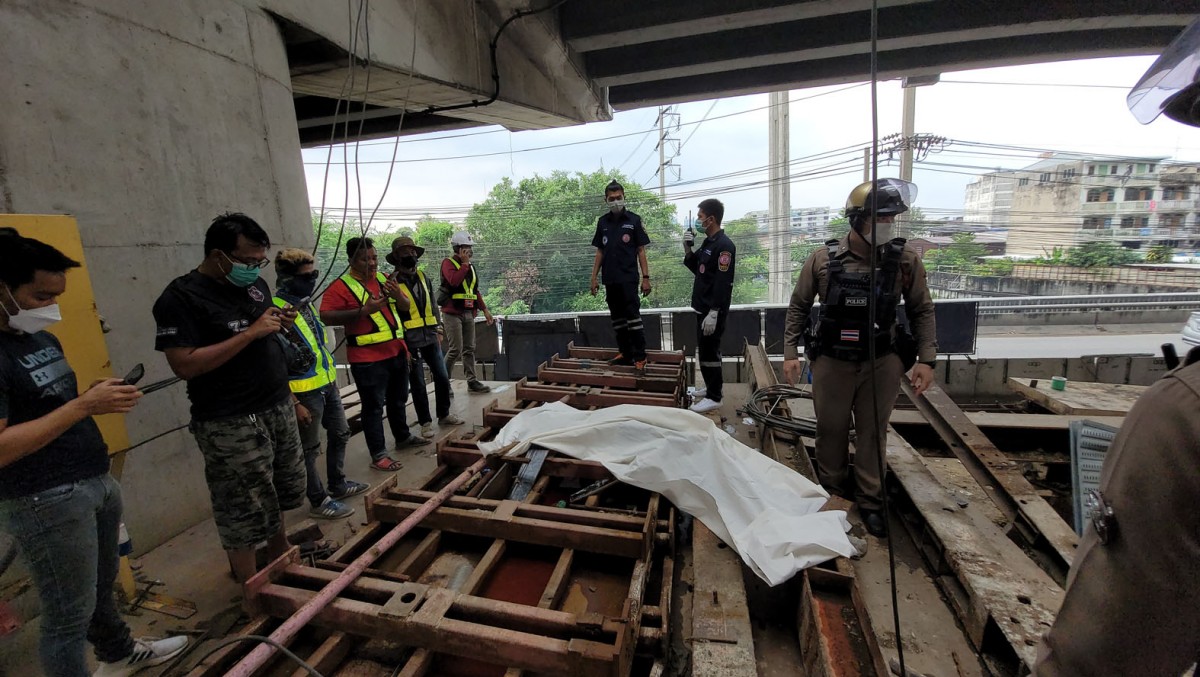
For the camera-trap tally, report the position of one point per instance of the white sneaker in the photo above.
(450, 420)
(699, 394)
(704, 406)
(427, 429)
(145, 654)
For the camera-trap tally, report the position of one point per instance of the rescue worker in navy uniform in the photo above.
(620, 243)
(837, 349)
(712, 291)
(1133, 604)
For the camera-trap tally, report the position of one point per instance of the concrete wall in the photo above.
(144, 120)
(951, 286)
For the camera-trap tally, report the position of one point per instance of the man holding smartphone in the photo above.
(315, 393)
(56, 496)
(217, 327)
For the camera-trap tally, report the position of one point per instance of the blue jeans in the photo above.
(382, 385)
(69, 535)
(431, 355)
(325, 406)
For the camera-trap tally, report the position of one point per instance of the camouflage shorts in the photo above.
(255, 468)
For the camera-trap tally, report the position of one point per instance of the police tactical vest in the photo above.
(419, 317)
(324, 369)
(463, 296)
(845, 328)
(384, 329)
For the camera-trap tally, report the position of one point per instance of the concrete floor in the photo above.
(192, 566)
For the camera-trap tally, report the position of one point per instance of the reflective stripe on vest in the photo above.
(468, 283)
(323, 372)
(384, 331)
(415, 319)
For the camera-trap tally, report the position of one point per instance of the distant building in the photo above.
(994, 243)
(804, 219)
(1064, 202)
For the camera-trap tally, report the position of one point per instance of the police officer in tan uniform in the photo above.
(1133, 594)
(837, 349)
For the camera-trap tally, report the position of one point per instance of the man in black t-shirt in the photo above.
(56, 496)
(220, 332)
(620, 243)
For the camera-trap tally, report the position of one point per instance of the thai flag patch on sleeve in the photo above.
(849, 335)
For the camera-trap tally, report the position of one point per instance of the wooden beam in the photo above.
(1079, 398)
(652, 356)
(607, 380)
(1004, 601)
(1002, 479)
(585, 397)
(555, 466)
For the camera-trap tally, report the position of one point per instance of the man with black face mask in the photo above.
(315, 392)
(423, 333)
(838, 348)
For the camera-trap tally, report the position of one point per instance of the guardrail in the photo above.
(988, 305)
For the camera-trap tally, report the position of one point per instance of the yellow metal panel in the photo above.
(79, 331)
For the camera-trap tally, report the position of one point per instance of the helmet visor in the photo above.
(891, 196)
(1174, 71)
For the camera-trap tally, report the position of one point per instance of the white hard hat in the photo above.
(462, 239)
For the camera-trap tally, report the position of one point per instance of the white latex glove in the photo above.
(709, 325)
(689, 237)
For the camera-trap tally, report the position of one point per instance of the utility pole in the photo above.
(668, 121)
(909, 125)
(780, 207)
(866, 164)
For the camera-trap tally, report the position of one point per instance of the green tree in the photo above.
(434, 236)
(1100, 255)
(913, 224)
(753, 265)
(1160, 253)
(542, 226)
(961, 256)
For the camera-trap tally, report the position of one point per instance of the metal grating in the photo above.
(1089, 445)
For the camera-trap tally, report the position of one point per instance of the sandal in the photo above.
(386, 464)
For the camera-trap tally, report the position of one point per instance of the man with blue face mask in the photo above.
(218, 326)
(56, 496)
(315, 391)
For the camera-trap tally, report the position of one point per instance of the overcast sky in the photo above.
(1075, 106)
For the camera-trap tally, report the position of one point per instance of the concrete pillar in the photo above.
(780, 208)
(144, 120)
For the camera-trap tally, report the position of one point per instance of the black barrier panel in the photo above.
(487, 342)
(741, 327)
(596, 331)
(776, 320)
(528, 343)
(957, 326)
(683, 332)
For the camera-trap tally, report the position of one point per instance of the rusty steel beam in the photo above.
(1030, 516)
(660, 370)
(836, 636)
(584, 377)
(590, 396)
(555, 466)
(652, 356)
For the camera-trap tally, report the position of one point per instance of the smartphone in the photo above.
(134, 375)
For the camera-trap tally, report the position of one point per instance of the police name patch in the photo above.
(724, 260)
(856, 302)
(849, 335)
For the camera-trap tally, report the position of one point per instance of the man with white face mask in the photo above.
(838, 349)
(56, 496)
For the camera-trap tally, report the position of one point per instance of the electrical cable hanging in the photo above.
(872, 310)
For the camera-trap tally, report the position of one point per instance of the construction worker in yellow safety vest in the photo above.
(315, 392)
(461, 300)
(364, 302)
(415, 304)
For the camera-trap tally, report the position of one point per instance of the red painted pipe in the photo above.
(263, 652)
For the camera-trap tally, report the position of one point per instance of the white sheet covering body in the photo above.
(765, 511)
